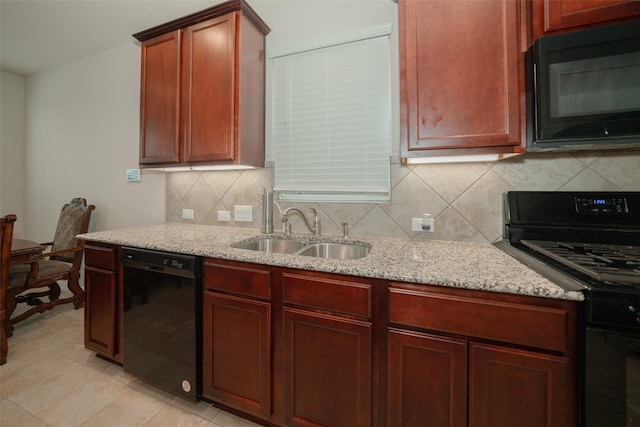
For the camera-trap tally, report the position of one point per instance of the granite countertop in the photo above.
(454, 264)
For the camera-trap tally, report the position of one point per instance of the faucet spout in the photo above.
(315, 228)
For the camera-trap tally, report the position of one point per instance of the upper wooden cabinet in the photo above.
(202, 89)
(461, 77)
(554, 16)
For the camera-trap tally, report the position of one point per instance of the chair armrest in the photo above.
(62, 252)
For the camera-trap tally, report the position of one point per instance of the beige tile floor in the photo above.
(50, 379)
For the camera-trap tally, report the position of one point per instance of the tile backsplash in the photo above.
(464, 198)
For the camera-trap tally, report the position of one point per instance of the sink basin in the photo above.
(282, 245)
(335, 250)
(272, 244)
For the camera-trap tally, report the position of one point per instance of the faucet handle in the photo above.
(345, 229)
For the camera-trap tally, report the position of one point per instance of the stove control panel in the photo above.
(602, 205)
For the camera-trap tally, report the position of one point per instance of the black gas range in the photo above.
(590, 242)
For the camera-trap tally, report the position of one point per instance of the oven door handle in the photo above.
(622, 342)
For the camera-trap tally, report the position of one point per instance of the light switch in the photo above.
(243, 213)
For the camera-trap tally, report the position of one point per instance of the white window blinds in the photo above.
(332, 121)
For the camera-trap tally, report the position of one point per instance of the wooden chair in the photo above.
(6, 237)
(61, 262)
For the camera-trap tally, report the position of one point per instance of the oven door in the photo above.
(612, 379)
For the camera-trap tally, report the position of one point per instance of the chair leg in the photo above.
(11, 306)
(4, 345)
(74, 286)
(54, 292)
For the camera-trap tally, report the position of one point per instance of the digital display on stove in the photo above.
(601, 205)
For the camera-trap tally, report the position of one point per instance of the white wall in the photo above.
(82, 133)
(12, 173)
(82, 121)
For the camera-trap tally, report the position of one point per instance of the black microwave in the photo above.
(583, 90)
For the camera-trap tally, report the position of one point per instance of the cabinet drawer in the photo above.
(517, 323)
(339, 296)
(100, 257)
(237, 279)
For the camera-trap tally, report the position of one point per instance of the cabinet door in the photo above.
(160, 100)
(327, 370)
(208, 87)
(427, 380)
(508, 384)
(569, 14)
(236, 353)
(101, 326)
(460, 76)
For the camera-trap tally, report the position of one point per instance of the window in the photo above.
(332, 119)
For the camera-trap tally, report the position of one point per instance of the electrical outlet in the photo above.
(187, 213)
(243, 213)
(427, 225)
(224, 216)
(417, 224)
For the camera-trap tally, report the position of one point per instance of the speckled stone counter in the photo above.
(454, 264)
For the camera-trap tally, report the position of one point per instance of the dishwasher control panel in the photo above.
(164, 262)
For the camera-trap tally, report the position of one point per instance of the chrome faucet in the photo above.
(286, 227)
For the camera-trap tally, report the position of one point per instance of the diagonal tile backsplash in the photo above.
(464, 199)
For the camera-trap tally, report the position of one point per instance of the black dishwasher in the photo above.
(162, 319)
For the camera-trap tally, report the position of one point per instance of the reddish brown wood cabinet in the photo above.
(555, 16)
(202, 89)
(506, 384)
(461, 77)
(160, 98)
(327, 351)
(492, 358)
(236, 354)
(427, 379)
(103, 302)
(301, 348)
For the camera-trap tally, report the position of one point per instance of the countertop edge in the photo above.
(428, 262)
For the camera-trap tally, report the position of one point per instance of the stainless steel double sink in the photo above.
(317, 249)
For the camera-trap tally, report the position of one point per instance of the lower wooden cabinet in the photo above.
(426, 380)
(327, 370)
(103, 307)
(236, 329)
(236, 352)
(507, 384)
(442, 379)
(477, 359)
(301, 348)
(328, 349)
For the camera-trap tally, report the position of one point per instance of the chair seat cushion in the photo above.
(17, 275)
(47, 270)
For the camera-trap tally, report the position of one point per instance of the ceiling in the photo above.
(39, 34)
(36, 35)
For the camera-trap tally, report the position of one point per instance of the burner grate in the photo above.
(606, 263)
